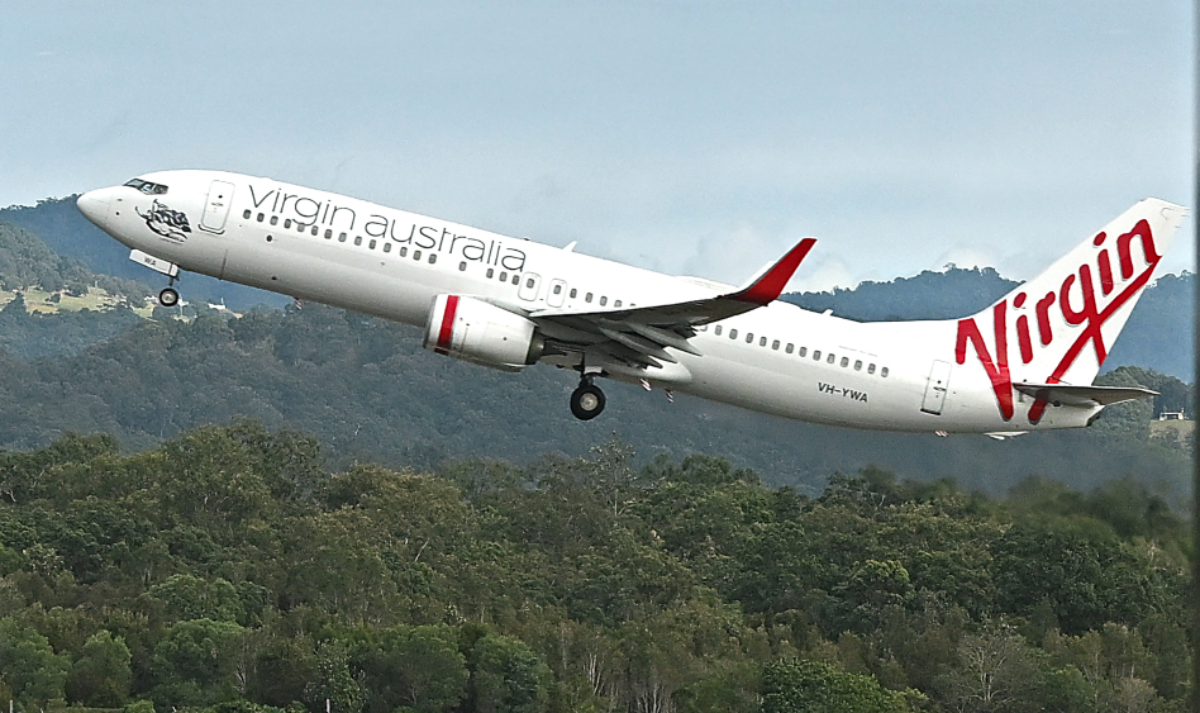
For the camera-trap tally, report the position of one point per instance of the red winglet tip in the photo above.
(767, 288)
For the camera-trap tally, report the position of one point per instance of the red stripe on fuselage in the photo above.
(447, 331)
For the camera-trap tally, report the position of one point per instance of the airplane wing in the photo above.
(1084, 395)
(639, 336)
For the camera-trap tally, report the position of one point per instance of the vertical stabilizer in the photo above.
(1059, 327)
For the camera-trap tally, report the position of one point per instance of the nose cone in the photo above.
(94, 205)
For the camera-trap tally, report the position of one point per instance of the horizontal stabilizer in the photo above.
(1086, 396)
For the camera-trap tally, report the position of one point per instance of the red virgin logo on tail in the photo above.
(1083, 314)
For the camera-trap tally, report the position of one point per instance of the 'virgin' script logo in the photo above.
(1083, 310)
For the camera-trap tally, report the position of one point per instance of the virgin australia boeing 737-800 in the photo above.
(1025, 363)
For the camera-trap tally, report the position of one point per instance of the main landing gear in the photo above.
(587, 401)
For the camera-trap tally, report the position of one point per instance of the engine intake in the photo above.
(476, 331)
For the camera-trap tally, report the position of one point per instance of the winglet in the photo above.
(768, 287)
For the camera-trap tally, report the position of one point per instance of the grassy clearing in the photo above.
(96, 299)
(1172, 430)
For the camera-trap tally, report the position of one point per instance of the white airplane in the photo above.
(1024, 364)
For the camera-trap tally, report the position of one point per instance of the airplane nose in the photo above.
(94, 206)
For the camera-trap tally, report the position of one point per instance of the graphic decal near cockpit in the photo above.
(171, 224)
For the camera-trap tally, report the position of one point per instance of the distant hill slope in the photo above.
(370, 393)
(64, 229)
(26, 261)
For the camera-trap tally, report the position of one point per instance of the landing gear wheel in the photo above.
(587, 402)
(168, 297)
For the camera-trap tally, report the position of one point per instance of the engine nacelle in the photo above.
(476, 331)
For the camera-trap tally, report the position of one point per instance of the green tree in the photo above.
(101, 676)
(28, 665)
(802, 686)
(199, 663)
(184, 596)
(333, 681)
(506, 676)
(418, 668)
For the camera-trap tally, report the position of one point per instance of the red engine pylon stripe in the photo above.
(447, 330)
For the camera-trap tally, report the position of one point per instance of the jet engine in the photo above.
(479, 332)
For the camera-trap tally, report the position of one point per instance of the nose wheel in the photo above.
(169, 297)
(587, 401)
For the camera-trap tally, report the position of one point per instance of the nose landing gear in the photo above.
(587, 401)
(169, 297)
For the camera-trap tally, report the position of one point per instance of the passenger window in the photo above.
(717, 330)
(845, 362)
(733, 334)
(416, 254)
(403, 251)
(516, 279)
(371, 245)
(831, 358)
(287, 223)
(387, 247)
(300, 227)
(603, 300)
(858, 364)
(357, 239)
(763, 342)
(491, 273)
(503, 276)
(588, 298)
(573, 293)
(432, 258)
(775, 345)
(274, 220)
(870, 368)
(260, 217)
(816, 355)
(883, 372)
(749, 337)
(803, 351)
(617, 303)
(329, 233)
(316, 230)
(462, 266)
(246, 214)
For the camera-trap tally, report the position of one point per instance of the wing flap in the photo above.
(642, 334)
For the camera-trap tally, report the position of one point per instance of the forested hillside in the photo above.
(228, 567)
(369, 391)
(64, 229)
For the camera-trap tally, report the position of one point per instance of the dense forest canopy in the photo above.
(228, 568)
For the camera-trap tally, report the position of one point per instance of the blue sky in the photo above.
(690, 137)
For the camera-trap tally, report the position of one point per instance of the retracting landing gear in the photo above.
(587, 401)
(169, 297)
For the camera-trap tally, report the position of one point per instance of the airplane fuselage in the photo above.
(778, 359)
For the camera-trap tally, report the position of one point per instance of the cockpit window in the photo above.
(150, 189)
